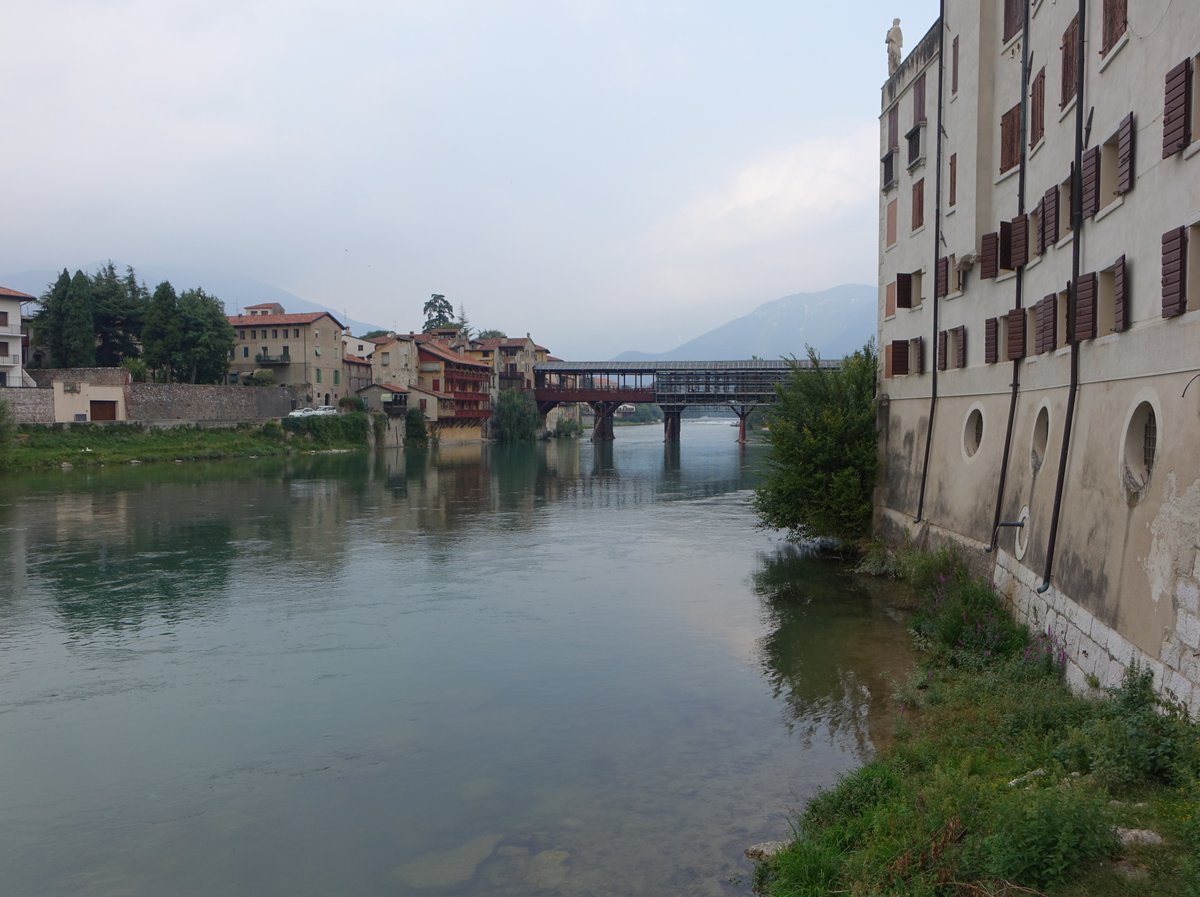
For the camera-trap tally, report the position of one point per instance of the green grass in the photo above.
(37, 447)
(935, 814)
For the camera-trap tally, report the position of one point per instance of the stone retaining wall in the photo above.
(29, 405)
(94, 376)
(192, 403)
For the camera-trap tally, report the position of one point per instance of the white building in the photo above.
(12, 369)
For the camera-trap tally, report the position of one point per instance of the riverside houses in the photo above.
(1039, 318)
(303, 351)
(12, 356)
(453, 391)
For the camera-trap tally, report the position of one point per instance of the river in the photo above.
(475, 670)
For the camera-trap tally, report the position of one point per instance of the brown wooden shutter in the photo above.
(953, 178)
(1013, 15)
(904, 291)
(1174, 272)
(1114, 24)
(1125, 140)
(941, 281)
(1091, 182)
(1177, 109)
(954, 65)
(918, 204)
(1020, 241)
(1010, 138)
(1070, 47)
(919, 101)
(941, 351)
(1037, 108)
(960, 339)
(1016, 335)
(917, 355)
(1085, 307)
(1050, 216)
(991, 340)
(989, 256)
(1041, 225)
(1004, 256)
(1120, 297)
(899, 357)
(1046, 332)
(894, 127)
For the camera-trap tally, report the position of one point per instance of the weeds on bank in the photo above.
(1000, 780)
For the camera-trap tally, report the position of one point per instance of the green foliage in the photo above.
(491, 334)
(8, 427)
(161, 335)
(414, 426)
(260, 378)
(515, 416)
(464, 325)
(438, 313)
(97, 320)
(646, 413)
(380, 424)
(371, 334)
(48, 322)
(352, 403)
(566, 427)
(118, 312)
(205, 338)
(138, 372)
(330, 429)
(78, 336)
(820, 473)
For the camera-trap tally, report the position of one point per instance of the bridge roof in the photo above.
(643, 367)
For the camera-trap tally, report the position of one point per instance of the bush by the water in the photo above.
(8, 427)
(331, 429)
(515, 416)
(414, 426)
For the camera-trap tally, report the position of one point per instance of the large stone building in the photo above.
(1039, 317)
(303, 351)
(12, 353)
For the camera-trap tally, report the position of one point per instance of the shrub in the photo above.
(8, 426)
(515, 416)
(259, 378)
(566, 427)
(138, 372)
(963, 616)
(414, 426)
(342, 429)
(273, 430)
(352, 403)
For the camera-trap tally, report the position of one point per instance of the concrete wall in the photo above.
(29, 405)
(193, 403)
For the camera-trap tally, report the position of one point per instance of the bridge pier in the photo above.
(743, 412)
(602, 430)
(671, 423)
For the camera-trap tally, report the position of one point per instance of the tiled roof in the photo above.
(450, 355)
(356, 359)
(263, 305)
(497, 342)
(392, 387)
(14, 294)
(280, 320)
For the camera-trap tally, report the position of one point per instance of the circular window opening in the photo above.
(1141, 447)
(973, 433)
(1041, 437)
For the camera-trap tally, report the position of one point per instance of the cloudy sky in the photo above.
(608, 174)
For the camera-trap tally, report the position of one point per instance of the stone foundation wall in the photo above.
(93, 376)
(29, 405)
(186, 402)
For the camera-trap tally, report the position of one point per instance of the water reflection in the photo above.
(831, 654)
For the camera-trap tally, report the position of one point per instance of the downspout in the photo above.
(1020, 282)
(937, 250)
(1076, 247)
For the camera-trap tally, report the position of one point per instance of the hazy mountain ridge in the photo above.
(835, 322)
(235, 290)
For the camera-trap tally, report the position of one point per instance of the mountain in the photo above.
(235, 290)
(835, 322)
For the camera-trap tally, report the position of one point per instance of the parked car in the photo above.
(303, 412)
(325, 410)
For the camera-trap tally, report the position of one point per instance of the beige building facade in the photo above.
(1039, 318)
(303, 351)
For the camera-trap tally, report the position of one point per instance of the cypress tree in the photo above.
(78, 326)
(48, 323)
(161, 333)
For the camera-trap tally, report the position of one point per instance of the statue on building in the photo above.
(895, 40)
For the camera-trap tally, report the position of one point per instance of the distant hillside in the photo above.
(235, 290)
(835, 322)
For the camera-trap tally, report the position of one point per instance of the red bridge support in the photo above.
(602, 431)
(743, 412)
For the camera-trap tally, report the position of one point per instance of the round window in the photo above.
(973, 432)
(1041, 437)
(1140, 449)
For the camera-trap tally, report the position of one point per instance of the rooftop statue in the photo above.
(895, 40)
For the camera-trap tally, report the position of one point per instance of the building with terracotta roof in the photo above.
(303, 351)
(12, 344)
(453, 391)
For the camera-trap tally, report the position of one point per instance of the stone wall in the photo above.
(29, 405)
(95, 376)
(186, 402)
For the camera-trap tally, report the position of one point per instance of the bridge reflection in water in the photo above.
(672, 385)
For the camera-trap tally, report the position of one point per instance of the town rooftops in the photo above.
(281, 320)
(6, 293)
(450, 355)
(387, 387)
(355, 359)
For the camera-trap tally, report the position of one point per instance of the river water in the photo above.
(559, 669)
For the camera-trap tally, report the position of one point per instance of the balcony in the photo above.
(9, 360)
(272, 359)
(472, 414)
(10, 329)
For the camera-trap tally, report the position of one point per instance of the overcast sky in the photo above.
(607, 174)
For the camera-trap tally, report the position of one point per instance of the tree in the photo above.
(78, 334)
(491, 334)
(515, 416)
(118, 311)
(438, 313)
(48, 322)
(820, 474)
(8, 427)
(371, 334)
(161, 334)
(206, 338)
(464, 325)
(414, 426)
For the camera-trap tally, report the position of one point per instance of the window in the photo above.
(1045, 324)
(916, 355)
(245, 351)
(954, 65)
(1178, 111)
(385, 359)
(898, 355)
(991, 340)
(1010, 138)
(254, 334)
(989, 256)
(1035, 229)
(422, 404)
(274, 334)
(1064, 207)
(918, 204)
(919, 101)
(1085, 307)
(241, 334)
(894, 127)
(1112, 306)
(4, 350)
(908, 289)
(916, 150)
(337, 376)
(1114, 24)
(889, 300)
(1037, 108)
(285, 352)
(1180, 274)
(1013, 12)
(889, 170)
(1070, 50)
(953, 179)
(3, 319)
(1014, 335)
(318, 370)
(891, 222)
(296, 333)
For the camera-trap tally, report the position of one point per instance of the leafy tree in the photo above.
(206, 338)
(118, 310)
(161, 334)
(464, 325)
(414, 426)
(515, 416)
(820, 473)
(438, 313)
(371, 334)
(491, 334)
(77, 334)
(138, 371)
(48, 322)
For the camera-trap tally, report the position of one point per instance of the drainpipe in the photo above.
(937, 253)
(1020, 282)
(1076, 248)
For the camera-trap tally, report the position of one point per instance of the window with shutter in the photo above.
(1120, 296)
(918, 92)
(918, 204)
(960, 346)
(1114, 24)
(916, 355)
(916, 146)
(890, 227)
(1177, 109)
(889, 170)
(1125, 159)
(889, 300)
(953, 179)
(1013, 12)
(1050, 217)
(989, 256)
(899, 349)
(1070, 49)
(991, 340)
(1046, 337)
(894, 127)
(1010, 138)
(1037, 222)
(1015, 344)
(1037, 108)
(941, 351)
(1090, 170)
(904, 291)
(1020, 241)
(1004, 255)
(954, 65)
(1085, 307)
(1111, 311)
(1174, 272)
(941, 279)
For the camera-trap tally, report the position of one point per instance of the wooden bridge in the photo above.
(672, 385)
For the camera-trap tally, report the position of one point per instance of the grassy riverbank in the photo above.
(1000, 781)
(37, 447)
